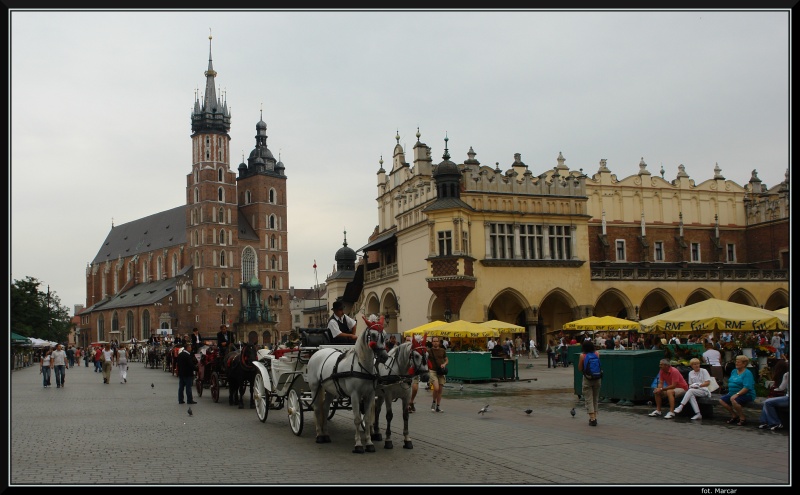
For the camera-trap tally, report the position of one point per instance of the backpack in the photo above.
(591, 366)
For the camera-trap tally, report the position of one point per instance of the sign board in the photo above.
(165, 331)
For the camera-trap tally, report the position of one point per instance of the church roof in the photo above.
(141, 294)
(157, 231)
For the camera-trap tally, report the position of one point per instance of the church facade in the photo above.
(219, 259)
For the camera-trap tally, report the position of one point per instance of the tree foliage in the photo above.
(38, 314)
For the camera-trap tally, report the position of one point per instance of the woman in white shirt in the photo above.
(698, 381)
(122, 364)
(713, 357)
(45, 366)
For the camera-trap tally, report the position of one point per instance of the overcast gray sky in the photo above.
(101, 100)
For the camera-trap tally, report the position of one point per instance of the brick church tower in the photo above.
(236, 227)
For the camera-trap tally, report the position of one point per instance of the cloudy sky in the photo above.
(101, 100)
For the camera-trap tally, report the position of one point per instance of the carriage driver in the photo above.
(341, 326)
(224, 339)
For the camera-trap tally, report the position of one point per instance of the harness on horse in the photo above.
(352, 372)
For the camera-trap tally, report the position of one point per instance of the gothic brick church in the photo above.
(220, 258)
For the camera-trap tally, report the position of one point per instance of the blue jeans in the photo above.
(768, 413)
(45, 376)
(185, 383)
(60, 375)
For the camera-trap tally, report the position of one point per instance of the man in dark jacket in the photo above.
(224, 339)
(196, 340)
(186, 365)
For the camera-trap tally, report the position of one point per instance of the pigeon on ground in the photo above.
(494, 384)
(461, 387)
(484, 409)
(572, 411)
(152, 385)
(528, 411)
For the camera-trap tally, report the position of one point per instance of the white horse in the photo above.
(333, 373)
(406, 361)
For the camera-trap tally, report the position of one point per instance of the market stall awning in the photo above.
(783, 311)
(19, 339)
(502, 326)
(715, 314)
(601, 323)
(461, 329)
(423, 328)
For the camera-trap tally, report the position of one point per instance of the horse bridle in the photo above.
(412, 369)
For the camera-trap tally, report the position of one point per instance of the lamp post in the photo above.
(448, 315)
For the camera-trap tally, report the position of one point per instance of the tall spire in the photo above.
(210, 114)
(210, 101)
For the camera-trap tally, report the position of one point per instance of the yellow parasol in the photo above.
(502, 326)
(601, 323)
(423, 328)
(456, 329)
(715, 314)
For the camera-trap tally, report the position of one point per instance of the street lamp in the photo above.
(448, 315)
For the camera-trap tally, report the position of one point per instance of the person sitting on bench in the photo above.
(341, 326)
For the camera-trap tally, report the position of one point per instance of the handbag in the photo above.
(713, 385)
(439, 370)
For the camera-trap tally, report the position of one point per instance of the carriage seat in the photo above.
(314, 337)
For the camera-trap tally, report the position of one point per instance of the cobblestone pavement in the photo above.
(137, 434)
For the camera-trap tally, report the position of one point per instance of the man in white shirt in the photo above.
(341, 326)
(59, 358)
(490, 344)
(532, 350)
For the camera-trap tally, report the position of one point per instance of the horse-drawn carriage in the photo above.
(209, 372)
(155, 356)
(325, 377)
(170, 361)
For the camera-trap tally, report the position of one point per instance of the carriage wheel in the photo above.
(332, 410)
(198, 385)
(261, 398)
(215, 387)
(295, 409)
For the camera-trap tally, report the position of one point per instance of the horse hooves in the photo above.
(376, 437)
(388, 444)
(358, 450)
(407, 444)
(371, 448)
(321, 439)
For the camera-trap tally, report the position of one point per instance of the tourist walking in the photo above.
(59, 359)
(45, 366)
(106, 360)
(122, 363)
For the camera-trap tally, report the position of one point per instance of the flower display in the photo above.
(681, 353)
(764, 350)
(748, 340)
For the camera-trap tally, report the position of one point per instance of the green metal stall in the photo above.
(627, 375)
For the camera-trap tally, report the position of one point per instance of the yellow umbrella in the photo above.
(502, 326)
(601, 323)
(783, 311)
(422, 328)
(462, 329)
(715, 314)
